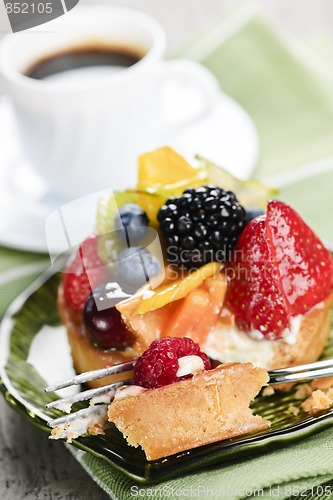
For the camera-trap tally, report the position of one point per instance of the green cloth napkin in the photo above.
(292, 107)
(289, 471)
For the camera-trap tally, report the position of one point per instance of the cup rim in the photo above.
(154, 54)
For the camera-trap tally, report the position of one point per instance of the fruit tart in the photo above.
(243, 277)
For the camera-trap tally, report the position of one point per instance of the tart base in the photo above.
(210, 407)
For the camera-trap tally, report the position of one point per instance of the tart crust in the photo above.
(311, 339)
(209, 407)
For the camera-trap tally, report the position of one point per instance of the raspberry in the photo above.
(85, 272)
(158, 365)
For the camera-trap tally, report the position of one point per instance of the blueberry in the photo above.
(134, 220)
(252, 213)
(136, 265)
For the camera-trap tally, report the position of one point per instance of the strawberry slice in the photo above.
(280, 269)
(254, 295)
(305, 265)
(83, 274)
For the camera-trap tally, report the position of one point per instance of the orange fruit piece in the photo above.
(191, 316)
(198, 312)
(175, 289)
(189, 313)
(167, 172)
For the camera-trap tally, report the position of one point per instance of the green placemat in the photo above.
(17, 271)
(290, 471)
(293, 111)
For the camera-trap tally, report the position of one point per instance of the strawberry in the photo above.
(83, 274)
(305, 265)
(254, 294)
(280, 269)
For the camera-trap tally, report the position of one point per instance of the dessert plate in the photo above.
(34, 353)
(26, 200)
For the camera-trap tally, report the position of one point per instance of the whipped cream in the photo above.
(127, 391)
(189, 365)
(229, 344)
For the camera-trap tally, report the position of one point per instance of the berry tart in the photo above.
(244, 278)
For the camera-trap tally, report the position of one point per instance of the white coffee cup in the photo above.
(85, 134)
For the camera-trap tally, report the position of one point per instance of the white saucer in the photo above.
(227, 136)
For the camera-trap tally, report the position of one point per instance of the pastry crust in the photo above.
(311, 339)
(210, 407)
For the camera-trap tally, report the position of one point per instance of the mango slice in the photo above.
(166, 172)
(175, 289)
(197, 313)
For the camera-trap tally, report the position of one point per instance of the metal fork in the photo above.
(300, 373)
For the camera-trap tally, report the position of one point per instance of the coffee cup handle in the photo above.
(194, 77)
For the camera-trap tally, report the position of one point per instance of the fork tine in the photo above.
(299, 376)
(92, 375)
(308, 367)
(86, 412)
(66, 404)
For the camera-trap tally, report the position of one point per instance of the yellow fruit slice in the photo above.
(249, 193)
(166, 172)
(176, 289)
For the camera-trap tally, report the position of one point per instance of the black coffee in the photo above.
(108, 58)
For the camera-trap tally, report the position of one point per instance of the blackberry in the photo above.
(201, 226)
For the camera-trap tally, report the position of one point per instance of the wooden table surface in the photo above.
(31, 466)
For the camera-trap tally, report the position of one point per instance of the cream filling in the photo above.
(229, 344)
(127, 391)
(190, 365)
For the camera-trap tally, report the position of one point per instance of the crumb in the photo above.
(94, 425)
(316, 402)
(303, 392)
(293, 409)
(96, 428)
(322, 383)
(268, 391)
(64, 432)
(56, 433)
(330, 393)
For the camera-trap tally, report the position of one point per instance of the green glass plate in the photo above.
(34, 353)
